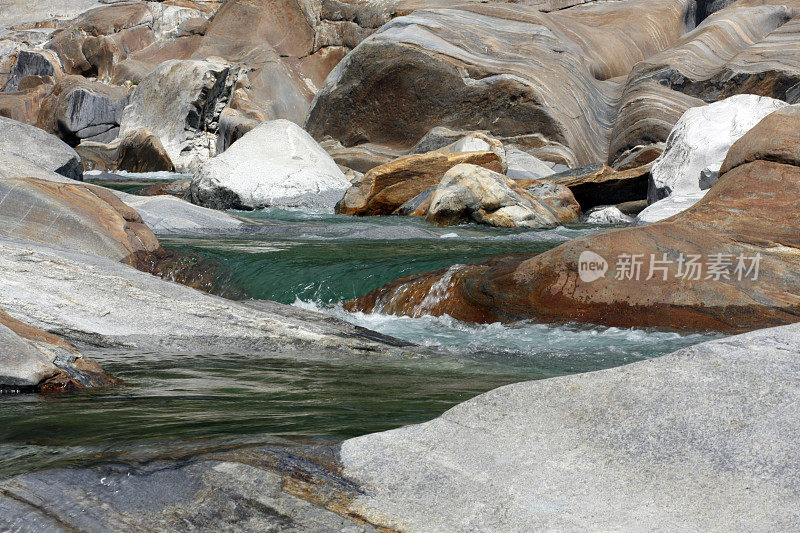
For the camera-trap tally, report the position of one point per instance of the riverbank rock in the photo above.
(89, 298)
(605, 215)
(472, 193)
(701, 139)
(179, 103)
(34, 360)
(386, 188)
(633, 447)
(77, 217)
(39, 148)
(276, 164)
(521, 165)
(28, 63)
(476, 68)
(702, 269)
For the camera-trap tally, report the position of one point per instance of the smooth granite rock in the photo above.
(88, 298)
(522, 165)
(605, 215)
(276, 164)
(385, 188)
(169, 215)
(506, 68)
(39, 148)
(702, 439)
(75, 216)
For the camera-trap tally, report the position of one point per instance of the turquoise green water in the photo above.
(175, 404)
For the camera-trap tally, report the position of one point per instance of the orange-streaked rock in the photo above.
(751, 210)
(386, 187)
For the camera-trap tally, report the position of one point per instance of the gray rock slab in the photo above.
(704, 439)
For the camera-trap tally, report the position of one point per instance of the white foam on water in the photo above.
(523, 339)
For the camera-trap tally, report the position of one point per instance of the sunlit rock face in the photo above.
(747, 218)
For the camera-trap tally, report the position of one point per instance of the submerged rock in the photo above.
(276, 164)
(702, 269)
(34, 360)
(39, 148)
(385, 188)
(473, 193)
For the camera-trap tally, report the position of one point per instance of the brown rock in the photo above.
(141, 151)
(23, 106)
(751, 210)
(385, 188)
(776, 138)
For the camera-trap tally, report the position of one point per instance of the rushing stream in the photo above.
(174, 404)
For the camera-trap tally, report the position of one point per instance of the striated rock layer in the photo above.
(508, 69)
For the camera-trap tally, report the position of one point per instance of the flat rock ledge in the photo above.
(701, 439)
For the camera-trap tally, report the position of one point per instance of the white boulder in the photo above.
(277, 164)
(701, 140)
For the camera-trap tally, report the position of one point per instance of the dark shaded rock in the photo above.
(32, 63)
(78, 109)
(141, 151)
(597, 185)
